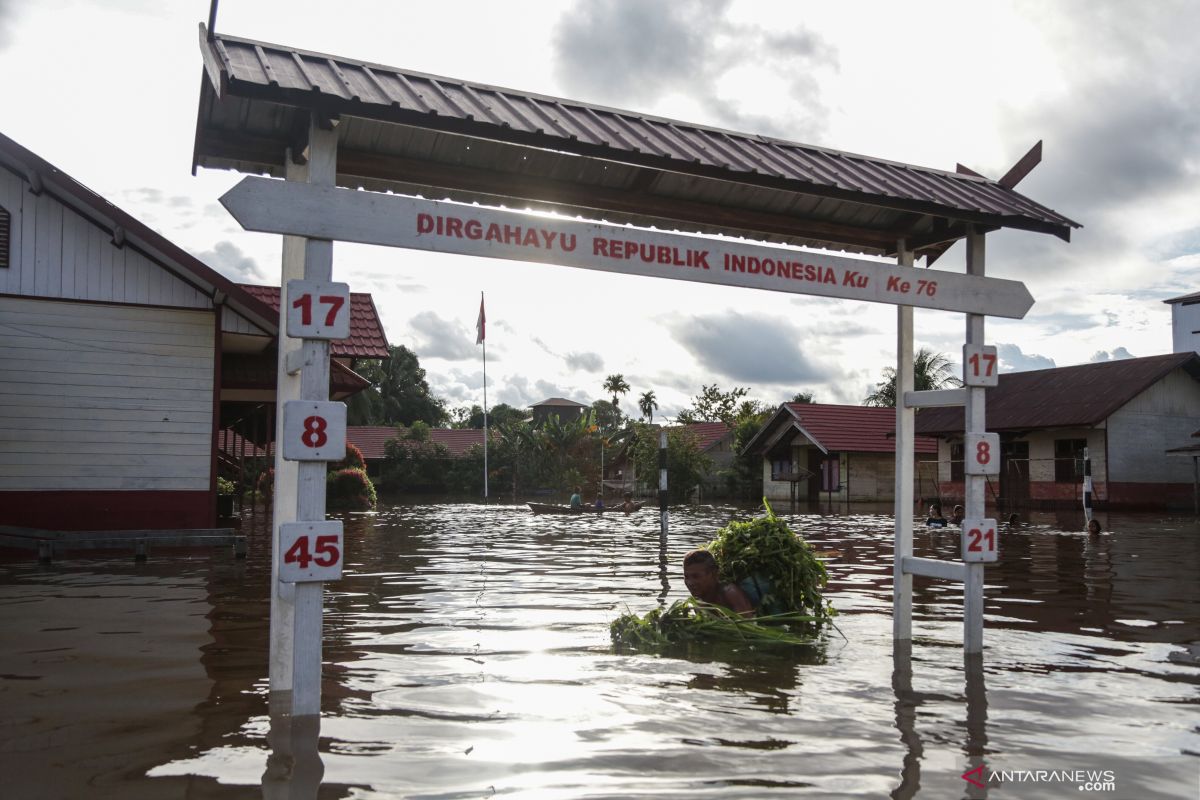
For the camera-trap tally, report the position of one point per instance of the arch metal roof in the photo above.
(415, 133)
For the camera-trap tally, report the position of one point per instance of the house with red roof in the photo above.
(372, 441)
(812, 451)
(1126, 414)
(124, 358)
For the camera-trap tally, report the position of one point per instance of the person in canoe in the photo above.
(700, 576)
(577, 499)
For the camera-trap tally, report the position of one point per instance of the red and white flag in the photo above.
(479, 323)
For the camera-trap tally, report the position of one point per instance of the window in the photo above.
(1068, 460)
(781, 467)
(5, 236)
(956, 462)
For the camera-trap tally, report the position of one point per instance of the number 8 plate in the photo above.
(310, 551)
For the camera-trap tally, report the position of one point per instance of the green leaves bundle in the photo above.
(691, 620)
(765, 553)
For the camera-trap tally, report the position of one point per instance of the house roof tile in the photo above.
(367, 339)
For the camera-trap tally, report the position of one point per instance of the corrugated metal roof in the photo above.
(839, 428)
(367, 339)
(558, 401)
(412, 131)
(1186, 299)
(1082, 395)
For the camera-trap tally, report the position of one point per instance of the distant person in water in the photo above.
(958, 515)
(700, 575)
(599, 502)
(1014, 518)
(629, 506)
(1093, 527)
(577, 499)
(936, 520)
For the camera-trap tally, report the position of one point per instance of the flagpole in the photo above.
(483, 341)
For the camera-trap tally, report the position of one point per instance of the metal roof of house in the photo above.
(371, 439)
(559, 401)
(132, 233)
(367, 339)
(443, 137)
(837, 428)
(1186, 299)
(1082, 395)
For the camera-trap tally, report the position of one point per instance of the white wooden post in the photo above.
(975, 484)
(901, 580)
(296, 608)
(662, 483)
(283, 503)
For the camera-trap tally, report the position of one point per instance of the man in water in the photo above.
(936, 520)
(628, 506)
(700, 576)
(577, 499)
(957, 515)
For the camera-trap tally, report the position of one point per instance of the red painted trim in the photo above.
(1108, 495)
(107, 510)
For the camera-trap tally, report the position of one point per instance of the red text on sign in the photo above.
(977, 537)
(304, 303)
(326, 552)
(989, 360)
(314, 432)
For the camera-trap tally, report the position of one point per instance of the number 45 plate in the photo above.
(310, 551)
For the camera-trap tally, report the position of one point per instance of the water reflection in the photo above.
(294, 767)
(467, 653)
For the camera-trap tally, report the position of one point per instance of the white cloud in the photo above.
(1013, 359)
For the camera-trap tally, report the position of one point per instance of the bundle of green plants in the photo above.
(775, 566)
(690, 620)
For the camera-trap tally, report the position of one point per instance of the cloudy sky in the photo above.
(107, 91)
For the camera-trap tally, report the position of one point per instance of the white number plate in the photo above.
(310, 551)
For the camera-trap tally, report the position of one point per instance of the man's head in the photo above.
(959, 514)
(1093, 526)
(700, 574)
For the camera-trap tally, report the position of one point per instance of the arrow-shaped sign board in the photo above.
(325, 212)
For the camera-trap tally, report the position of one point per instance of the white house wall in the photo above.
(57, 253)
(1160, 418)
(102, 397)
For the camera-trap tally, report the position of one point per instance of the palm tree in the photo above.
(930, 371)
(648, 405)
(616, 385)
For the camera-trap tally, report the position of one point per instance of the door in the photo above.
(1014, 473)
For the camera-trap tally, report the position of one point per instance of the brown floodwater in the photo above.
(467, 655)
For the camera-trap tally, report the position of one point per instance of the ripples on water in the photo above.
(467, 655)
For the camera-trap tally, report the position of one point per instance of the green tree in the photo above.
(405, 394)
(520, 454)
(713, 405)
(744, 477)
(802, 397)
(616, 386)
(686, 465)
(648, 404)
(606, 416)
(463, 417)
(930, 371)
(366, 407)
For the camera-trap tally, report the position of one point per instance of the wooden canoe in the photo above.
(553, 508)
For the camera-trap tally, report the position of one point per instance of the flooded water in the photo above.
(467, 655)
